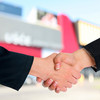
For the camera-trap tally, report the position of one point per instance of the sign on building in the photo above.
(87, 32)
(18, 32)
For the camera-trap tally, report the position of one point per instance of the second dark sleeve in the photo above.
(94, 50)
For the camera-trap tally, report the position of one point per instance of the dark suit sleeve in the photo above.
(94, 49)
(14, 68)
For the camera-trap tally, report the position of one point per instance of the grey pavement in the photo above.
(82, 91)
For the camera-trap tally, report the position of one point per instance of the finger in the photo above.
(52, 55)
(57, 90)
(76, 74)
(57, 59)
(39, 80)
(69, 85)
(53, 86)
(47, 83)
(72, 80)
(64, 57)
(64, 89)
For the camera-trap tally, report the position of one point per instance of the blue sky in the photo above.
(88, 10)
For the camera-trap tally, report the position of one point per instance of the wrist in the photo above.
(42, 67)
(83, 58)
(36, 69)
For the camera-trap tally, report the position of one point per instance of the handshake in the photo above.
(61, 71)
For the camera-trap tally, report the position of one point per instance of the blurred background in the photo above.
(39, 28)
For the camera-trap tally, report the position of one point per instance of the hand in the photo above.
(64, 77)
(43, 67)
(68, 76)
(69, 83)
(78, 60)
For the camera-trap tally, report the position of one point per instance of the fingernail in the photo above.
(50, 81)
(55, 83)
(58, 66)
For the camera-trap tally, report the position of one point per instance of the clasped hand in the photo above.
(60, 75)
(61, 71)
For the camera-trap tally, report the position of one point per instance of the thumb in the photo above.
(53, 55)
(57, 62)
(63, 57)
